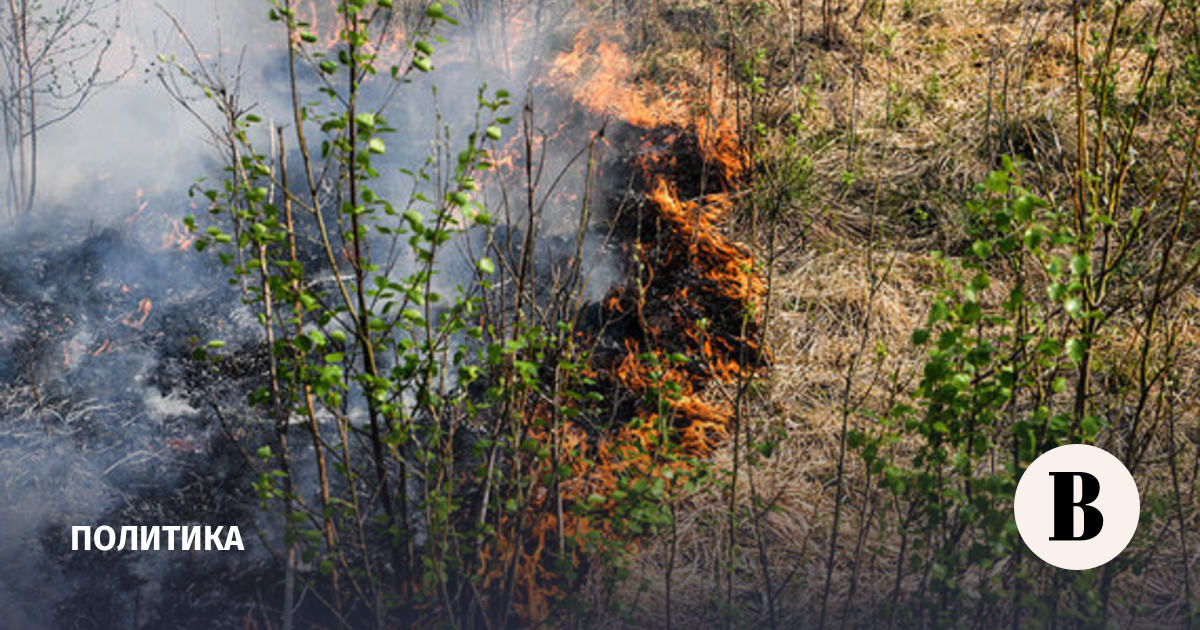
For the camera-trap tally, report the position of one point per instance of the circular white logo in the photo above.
(1077, 507)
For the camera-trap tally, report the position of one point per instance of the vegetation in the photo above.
(965, 234)
(972, 259)
(1056, 293)
(54, 59)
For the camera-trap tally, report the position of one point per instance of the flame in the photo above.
(138, 317)
(608, 90)
(694, 272)
(178, 238)
(143, 203)
(104, 348)
(322, 20)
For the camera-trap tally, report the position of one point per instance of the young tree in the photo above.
(52, 60)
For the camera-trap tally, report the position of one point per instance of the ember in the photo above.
(137, 318)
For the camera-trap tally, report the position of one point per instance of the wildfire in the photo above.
(608, 90)
(696, 284)
(321, 19)
(105, 347)
(138, 317)
(177, 238)
(174, 237)
(142, 204)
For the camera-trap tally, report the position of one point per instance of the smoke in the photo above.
(105, 418)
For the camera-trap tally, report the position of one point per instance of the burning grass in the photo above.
(894, 121)
(691, 294)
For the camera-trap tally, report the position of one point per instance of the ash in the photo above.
(107, 418)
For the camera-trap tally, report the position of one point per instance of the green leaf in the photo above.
(494, 132)
(1091, 425)
(1023, 207)
(486, 266)
(997, 182)
(366, 121)
(1076, 349)
(1034, 237)
(938, 312)
(376, 146)
(1074, 307)
(1079, 264)
(1056, 291)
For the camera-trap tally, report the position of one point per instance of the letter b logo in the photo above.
(1076, 507)
(1064, 506)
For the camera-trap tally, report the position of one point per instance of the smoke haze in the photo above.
(103, 417)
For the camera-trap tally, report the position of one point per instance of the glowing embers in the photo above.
(138, 317)
(173, 235)
(105, 347)
(95, 342)
(177, 238)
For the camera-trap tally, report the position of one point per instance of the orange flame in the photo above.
(598, 75)
(143, 203)
(104, 348)
(138, 317)
(178, 238)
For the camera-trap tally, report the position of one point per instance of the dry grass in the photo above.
(822, 299)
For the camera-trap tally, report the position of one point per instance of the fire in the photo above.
(695, 297)
(175, 237)
(105, 347)
(178, 238)
(322, 20)
(608, 90)
(692, 274)
(142, 204)
(138, 317)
